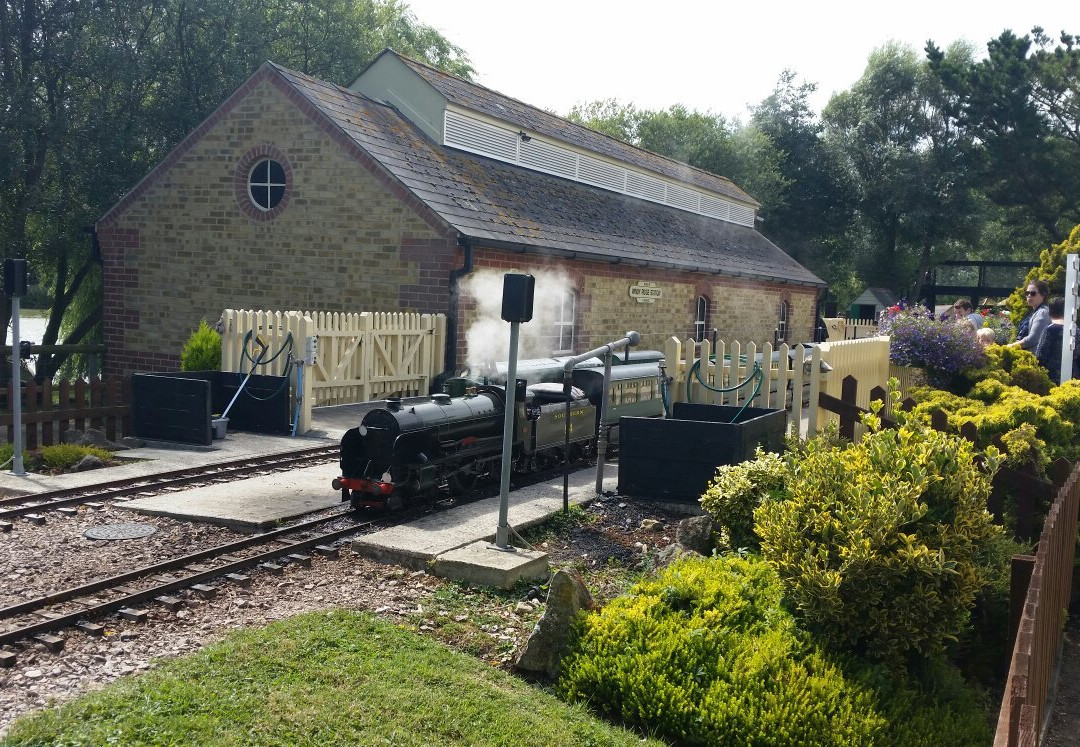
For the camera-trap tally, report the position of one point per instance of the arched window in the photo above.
(782, 324)
(564, 325)
(701, 318)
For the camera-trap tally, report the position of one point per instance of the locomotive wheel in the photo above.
(463, 482)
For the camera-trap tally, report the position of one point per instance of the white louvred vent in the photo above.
(550, 158)
(715, 208)
(682, 198)
(601, 174)
(742, 215)
(480, 137)
(505, 143)
(641, 185)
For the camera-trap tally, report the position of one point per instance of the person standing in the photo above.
(1050, 346)
(963, 313)
(1028, 337)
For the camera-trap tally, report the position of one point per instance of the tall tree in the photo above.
(93, 93)
(812, 216)
(1021, 104)
(910, 165)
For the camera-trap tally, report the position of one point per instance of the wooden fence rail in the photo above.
(1023, 709)
(48, 410)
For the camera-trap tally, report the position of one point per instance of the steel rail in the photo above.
(87, 613)
(27, 504)
(30, 605)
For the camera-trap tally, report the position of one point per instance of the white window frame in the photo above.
(267, 184)
(701, 318)
(782, 324)
(564, 325)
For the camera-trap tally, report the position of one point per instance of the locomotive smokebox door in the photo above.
(517, 300)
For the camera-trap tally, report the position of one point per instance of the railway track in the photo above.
(79, 606)
(147, 485)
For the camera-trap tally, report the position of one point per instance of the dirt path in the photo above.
(1064, 726)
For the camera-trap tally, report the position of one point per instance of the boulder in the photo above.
(94, 437)
(132, 443)
(87, 462)
(696, 533)
(567, 596)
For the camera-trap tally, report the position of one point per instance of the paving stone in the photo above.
(52, 642)
(171, 603)
(204, 591)
(91, 628)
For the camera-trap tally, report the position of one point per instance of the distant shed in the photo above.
(871, 302)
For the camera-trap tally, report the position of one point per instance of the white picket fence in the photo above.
(785, 384)
(359, 356)
(841, 329)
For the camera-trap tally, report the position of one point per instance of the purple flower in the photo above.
(940, 347)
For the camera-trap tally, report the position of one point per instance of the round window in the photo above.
(266, 183)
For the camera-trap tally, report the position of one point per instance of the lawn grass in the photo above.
(324, 678)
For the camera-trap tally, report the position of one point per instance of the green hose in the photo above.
(757, 376)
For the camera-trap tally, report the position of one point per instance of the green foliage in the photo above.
(7, 450)
(1047, 423)
(1009, 366)
(202, 351)
(62, 457)
(877, 542)
(705, 653)
(1051, 268)
(736, 490)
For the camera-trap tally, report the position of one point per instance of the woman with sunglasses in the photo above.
(1031, 329)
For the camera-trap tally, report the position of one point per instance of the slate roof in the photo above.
(508, 206)
(486, 101)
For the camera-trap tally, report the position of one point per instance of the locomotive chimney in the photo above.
(393, 403)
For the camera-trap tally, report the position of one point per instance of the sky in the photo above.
(715, 56)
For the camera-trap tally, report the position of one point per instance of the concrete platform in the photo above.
(484, 564)
(419, 544)
(253, 505)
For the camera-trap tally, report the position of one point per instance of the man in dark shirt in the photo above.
(1048, 350)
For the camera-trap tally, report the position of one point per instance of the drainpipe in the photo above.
(452, 311)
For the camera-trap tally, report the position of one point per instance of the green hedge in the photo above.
(877, 543)
(706, 654)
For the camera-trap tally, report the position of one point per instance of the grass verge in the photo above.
(324, 678)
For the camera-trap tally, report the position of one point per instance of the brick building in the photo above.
(395, 193)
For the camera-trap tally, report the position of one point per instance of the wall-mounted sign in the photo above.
(645, 292)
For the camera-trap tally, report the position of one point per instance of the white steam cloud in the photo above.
(488, 337)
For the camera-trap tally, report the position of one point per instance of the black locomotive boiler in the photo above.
(402, 451)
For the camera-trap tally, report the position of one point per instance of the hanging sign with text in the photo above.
(645, 292)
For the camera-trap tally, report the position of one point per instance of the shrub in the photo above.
(877, 541)
(202, 351)
(1051, 268)
(62, 457)
(703, 654)
(942, 348)
(706, 654)
(6, 452)
(736, 490)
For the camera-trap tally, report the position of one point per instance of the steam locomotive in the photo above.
(408, 450)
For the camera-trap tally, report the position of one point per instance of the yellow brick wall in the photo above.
(337, 245)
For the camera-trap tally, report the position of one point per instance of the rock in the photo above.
(94, 437)
(567, 597)
(523, 608)
(131, 442)
(651, 525)
(671, 553)
(696, 533)
(88, 462)
(71, 436)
